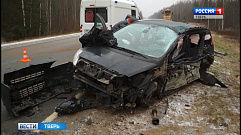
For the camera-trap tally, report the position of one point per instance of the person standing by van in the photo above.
(129, 19)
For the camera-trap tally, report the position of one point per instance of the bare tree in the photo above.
(50, 16)
(30, 16)
(47, 15)
(75, 12)
(40, 19)
(24, 23)
(33, 18)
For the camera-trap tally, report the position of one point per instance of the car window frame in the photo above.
(102, 21)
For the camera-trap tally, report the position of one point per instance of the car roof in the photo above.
(176, 26)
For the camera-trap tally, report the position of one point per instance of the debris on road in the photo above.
(89, 121)
(29, 113)
(34, 85)
(74, 105)
(36, 108)
(219, 54)
(223, 124)
(155, 120)
(187, 106)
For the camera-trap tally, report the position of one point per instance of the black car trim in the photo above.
(92, 83)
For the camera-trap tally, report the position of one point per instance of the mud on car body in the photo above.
(145, 59)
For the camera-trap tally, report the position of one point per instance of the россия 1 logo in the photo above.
(208, 13)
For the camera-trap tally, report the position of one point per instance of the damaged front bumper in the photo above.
(96, 79)
(33, 85)
(111, 88)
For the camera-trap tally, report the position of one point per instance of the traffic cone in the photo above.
(25, 57)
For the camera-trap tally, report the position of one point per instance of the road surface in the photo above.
(38, 51)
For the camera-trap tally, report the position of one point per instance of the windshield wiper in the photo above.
(130, 51)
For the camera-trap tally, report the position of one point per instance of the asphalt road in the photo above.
(41, 51)
(38, 52)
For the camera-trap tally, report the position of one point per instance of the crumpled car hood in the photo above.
(111, 60)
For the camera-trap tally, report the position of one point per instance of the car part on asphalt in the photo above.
(219, 54)
(223, 124)
(74, 105)
(29, 112)
(155, 120)
(89, 121)
(34, 85)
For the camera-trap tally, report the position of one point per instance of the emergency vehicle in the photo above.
(167, 14)
(112, 11)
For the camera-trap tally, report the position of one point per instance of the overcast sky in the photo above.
(149, 7)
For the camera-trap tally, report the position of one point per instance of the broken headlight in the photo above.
(76, 56)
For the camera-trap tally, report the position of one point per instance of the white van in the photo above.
(112, 11)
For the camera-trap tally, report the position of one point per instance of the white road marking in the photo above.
(38, 41)
(54, 115)
(41, 39)
(48, 120)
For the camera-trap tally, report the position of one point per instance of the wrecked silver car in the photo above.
(145, 59)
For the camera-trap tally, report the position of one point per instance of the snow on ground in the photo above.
(197, 109)
(217, 62)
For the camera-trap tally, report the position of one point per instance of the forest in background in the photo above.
(230, 25)
(24, 19)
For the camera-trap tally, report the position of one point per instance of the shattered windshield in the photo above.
(148, 39)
